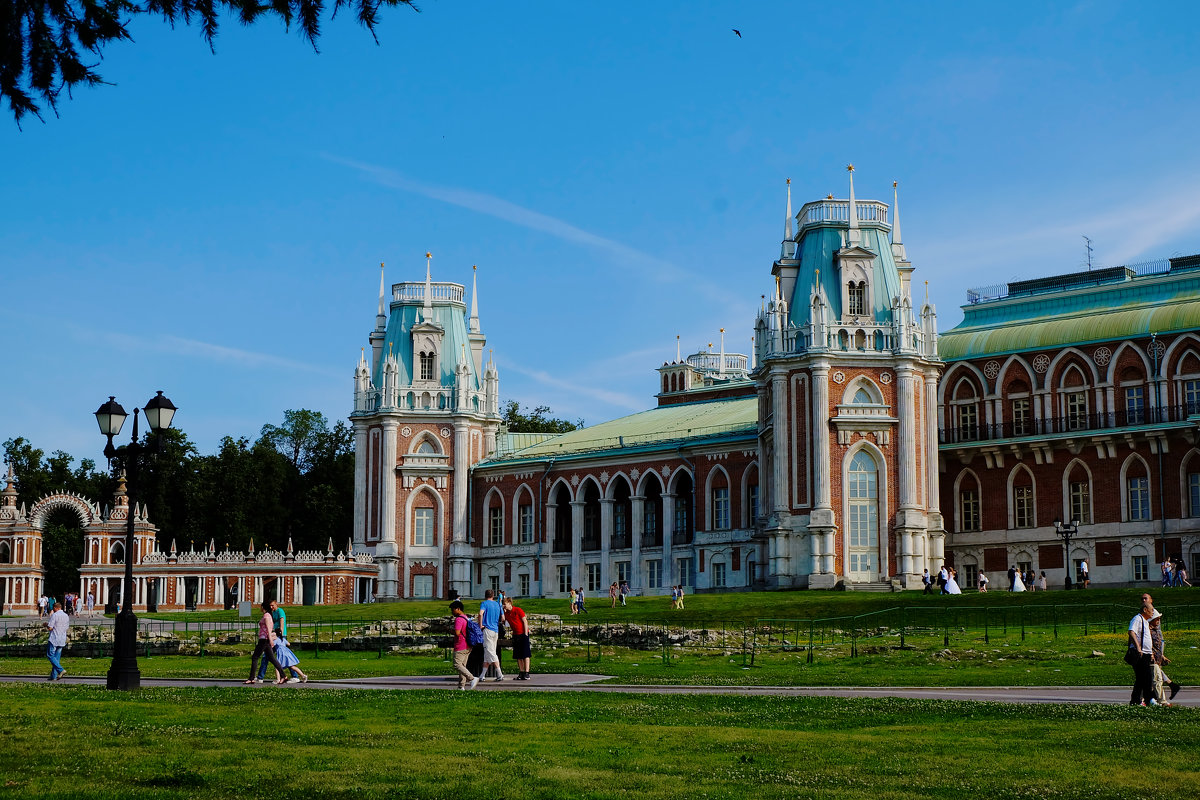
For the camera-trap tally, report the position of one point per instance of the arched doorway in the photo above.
(62, 551)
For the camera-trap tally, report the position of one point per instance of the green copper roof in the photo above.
(1136, 307)
(398, 341)
(646, 429)
(817, 250)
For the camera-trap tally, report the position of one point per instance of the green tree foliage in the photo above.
(538, 420)
(296, 480)
(46, 45)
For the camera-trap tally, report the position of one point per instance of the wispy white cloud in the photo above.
(207, 351)
(492, 206)
(578, 387)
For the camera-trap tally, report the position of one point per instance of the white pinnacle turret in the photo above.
(789, 247)
(897, 242)
(427, 311)
(474, 321)
(853, 238)
(381, 317)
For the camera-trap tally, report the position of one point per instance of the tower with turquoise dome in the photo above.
(846, 373)
(426, 408)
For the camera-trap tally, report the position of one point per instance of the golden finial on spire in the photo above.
(849, 168)
(381, 265)
(428, 254)
(473, 267)
(722, 330)
(829, 196)
(789, 181)
(895, 184)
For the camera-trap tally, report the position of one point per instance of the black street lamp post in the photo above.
(1066, 530)
(124, 674)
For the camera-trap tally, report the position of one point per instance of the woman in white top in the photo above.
(952, 586)
(1018, 584)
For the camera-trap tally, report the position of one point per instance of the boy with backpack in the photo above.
(463, 634)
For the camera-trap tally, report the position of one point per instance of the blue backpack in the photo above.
(474, 633)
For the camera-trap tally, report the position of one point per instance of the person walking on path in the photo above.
(58, 624)
(518, 623)
(283, 651)
(91, 603)
(489, 620)
(462, 650)
(265, 646)
(927, 582)
(1143, 647)
(983, 582)
(42, 606)
(1083, 574)
(574, 601)
(580, 601)
(1160, 660)
(624, 592)
(681, 594)
(612, 595)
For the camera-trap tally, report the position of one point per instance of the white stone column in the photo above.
(822, 519)
(638, 521)
(606, 531)
(933, 516)
(387, 551)
(909, 517)
(549, 577)
(360, 483)
(668, 528)
(576, 542)
(462, 476)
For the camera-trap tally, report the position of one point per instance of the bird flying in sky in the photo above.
(739, 33)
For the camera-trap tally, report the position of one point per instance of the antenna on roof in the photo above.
(1088, 246)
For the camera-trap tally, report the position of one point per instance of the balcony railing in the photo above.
(681, 537)
(562, 544)
(1072, 423)
(651, 539)
(619, 543)
(589, 543)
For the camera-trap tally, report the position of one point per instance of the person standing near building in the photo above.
(624, 592)
(983, 581)
(612, 595)
(42, 606)
(1083, 573)
(462, 650)
(580, 599)
(518, 623)
(91, 602)
(58, 624)
(1142, 657)
(927, 582)
(489, 620)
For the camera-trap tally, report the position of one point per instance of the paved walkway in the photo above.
(1110, 695)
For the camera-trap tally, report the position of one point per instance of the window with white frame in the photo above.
(687, 571)
(720, 508)
(422, 587)
(1081, 502)
(1191, 396)
(968, 504)
(623, 571)
(1022, 421)
(1023, 506)
(1141, 567)
(427, 360)
(620, 522)
(1139, 497)
(654, 573)
(718, 574)
(753, 502)
(862, 523)
(593, 577)
(650, 520)
(968, 422)
(523, 584)
(1077, 411)
(525, 522)
(494, 584)
(422, 527)
(1135, 405)
(857, 296)
(1193, 483)
(564, 578)
(495, 526)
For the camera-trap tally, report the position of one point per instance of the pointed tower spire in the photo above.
(381, 316)
(721, 369)
(474, 321)
(678, 354)
(897, 241)
(789, 247)
(427, 311)
(853, 238)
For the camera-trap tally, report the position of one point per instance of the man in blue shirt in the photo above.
(489, 620)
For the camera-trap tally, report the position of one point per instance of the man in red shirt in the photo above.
(519, 625)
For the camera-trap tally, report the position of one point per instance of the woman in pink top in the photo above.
(265, 646)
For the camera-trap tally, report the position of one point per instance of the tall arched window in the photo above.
(857, 295)
(862, 520)
(427, 366)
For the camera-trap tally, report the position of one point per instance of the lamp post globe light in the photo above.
(124, 674)
(1066, 530)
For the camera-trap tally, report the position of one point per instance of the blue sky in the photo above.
(212, 225)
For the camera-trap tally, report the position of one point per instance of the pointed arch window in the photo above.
(857, 299)
(427, 365)
(1023, 516)
(862, 397)
(862, 520)
(1081, 499)
(1191, 396)
(422, 527)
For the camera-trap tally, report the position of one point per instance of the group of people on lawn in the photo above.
(477, 637)
(273, 647)
(1018, 580)
(71, 604)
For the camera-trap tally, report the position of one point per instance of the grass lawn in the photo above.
(734, 608)
(80, 742)
(1039, 660)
